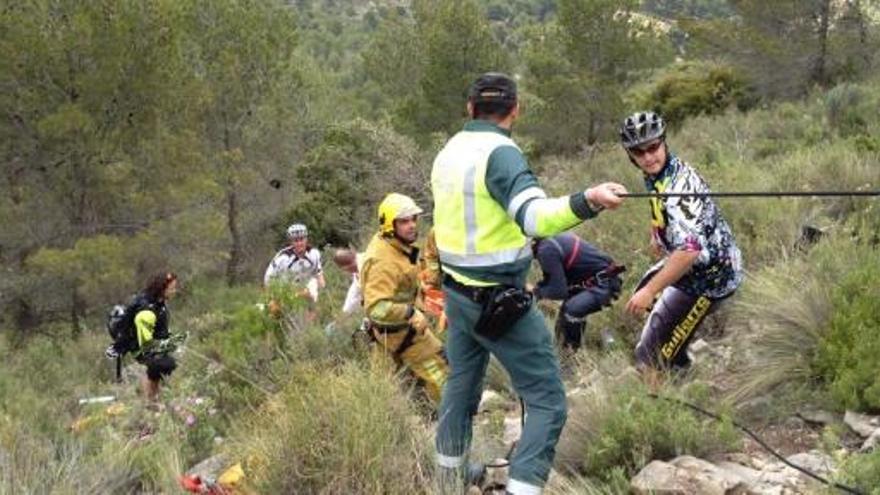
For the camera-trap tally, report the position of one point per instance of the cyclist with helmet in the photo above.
(299, 264)
(700, 263)
(390, 284)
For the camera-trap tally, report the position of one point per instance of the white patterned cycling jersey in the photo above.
(691, 223)
(290, 267)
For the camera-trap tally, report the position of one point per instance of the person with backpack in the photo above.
(142, 329)
(700, 262)
(584, 278)
(298, 264)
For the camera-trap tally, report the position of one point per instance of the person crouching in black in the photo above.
(583, 277)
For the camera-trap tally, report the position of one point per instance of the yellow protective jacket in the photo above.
(390, 282)
(429, 264)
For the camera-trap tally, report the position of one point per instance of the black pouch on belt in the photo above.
(502, 309)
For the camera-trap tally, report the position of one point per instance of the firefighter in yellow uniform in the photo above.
(390, 283)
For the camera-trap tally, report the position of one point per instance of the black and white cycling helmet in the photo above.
(640, 128)
(297, 231)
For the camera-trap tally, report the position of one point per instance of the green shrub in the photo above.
(698, 89)
(347, 175)
(641, 429)
(862, 471)
(781, 311)
(849, 109)
(847, 357)
(616, 424)
(808, 319)
(348, 430)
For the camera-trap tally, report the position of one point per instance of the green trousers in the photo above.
(526, 352)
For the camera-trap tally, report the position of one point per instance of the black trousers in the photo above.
(572, 320)
(670, 328)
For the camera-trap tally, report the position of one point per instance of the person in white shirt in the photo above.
(298, 264)
(350, 262)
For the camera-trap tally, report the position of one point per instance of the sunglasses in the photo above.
(651, 148)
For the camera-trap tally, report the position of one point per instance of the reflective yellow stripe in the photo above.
(464, 279)
(486, 259)
(434, 372)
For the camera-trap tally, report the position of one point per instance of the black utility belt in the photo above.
(478, 295)
(388, 329)
(601, 278)
(502, 306)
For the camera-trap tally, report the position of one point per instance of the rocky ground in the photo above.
(753, 471)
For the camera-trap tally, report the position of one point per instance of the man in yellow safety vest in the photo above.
(487, 204)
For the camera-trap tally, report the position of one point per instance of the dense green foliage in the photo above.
(695, 89)
(788, 46)
(346, 175)
(579, 66)
(863, 471)
(847, 352)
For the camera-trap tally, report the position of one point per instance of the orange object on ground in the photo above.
(195, 484)
(225, 484)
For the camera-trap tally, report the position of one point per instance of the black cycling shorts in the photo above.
(671, 326)
(159, 366)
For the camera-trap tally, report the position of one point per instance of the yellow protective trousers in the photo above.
(422, 355)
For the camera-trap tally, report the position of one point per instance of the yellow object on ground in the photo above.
(232, 477)
(83, 423)
(116, 409)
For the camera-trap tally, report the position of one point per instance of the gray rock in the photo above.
(512, 429)
(496, 476)
(731, 482)
(794, 423)
(871, 443)
(210, 468)
(761, 482)
(814, 461)
(862, 424)
(491, 401)
(660, 478)
(700, 348)
(817, 416)
(686, 475)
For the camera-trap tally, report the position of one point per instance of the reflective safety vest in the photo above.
(472, 229)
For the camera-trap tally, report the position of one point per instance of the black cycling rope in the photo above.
(749, 194)
(763, 444)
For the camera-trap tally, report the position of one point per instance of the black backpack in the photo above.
(120, 324)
